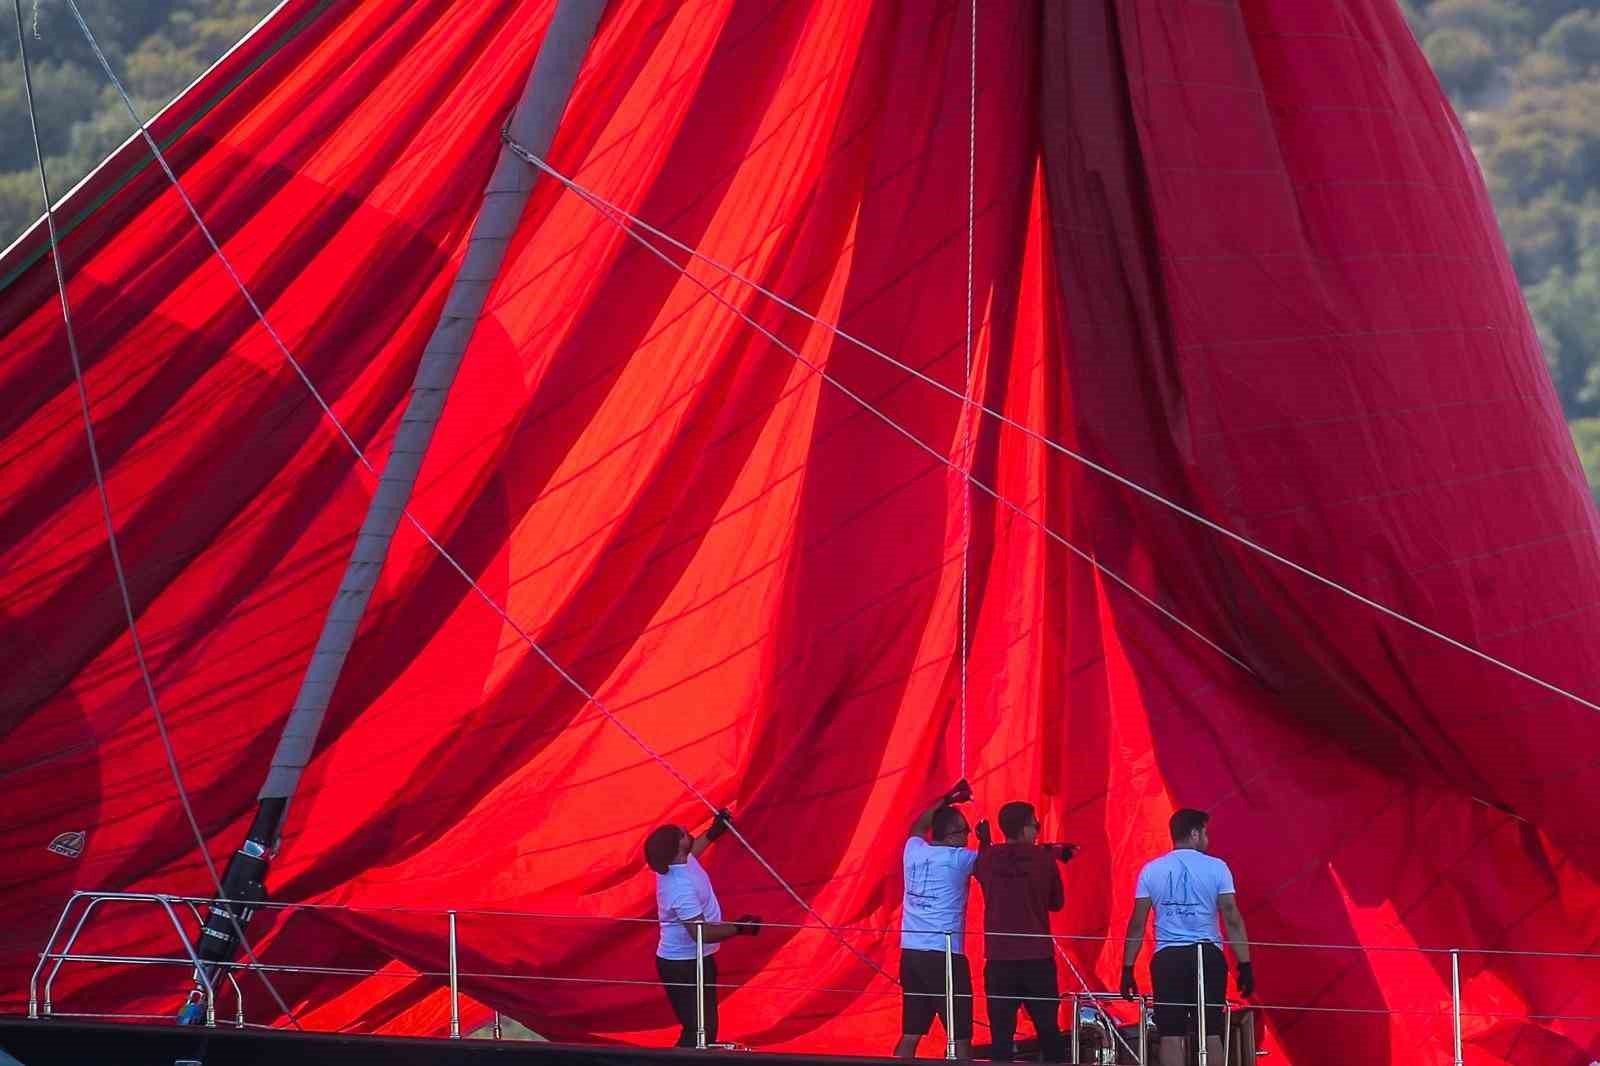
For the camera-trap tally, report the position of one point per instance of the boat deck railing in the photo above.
(1094, 1015)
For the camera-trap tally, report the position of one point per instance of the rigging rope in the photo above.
(968, 385)
(106, 516)
(1078, 457)
(970, 390)
(449, 559)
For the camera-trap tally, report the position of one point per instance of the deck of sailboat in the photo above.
(62, 1043)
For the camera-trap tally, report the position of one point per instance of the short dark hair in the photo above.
(1014, 817)
(661, 847)
(947, 820)
(1187, 821)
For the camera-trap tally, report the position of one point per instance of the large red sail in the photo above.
(1237, 252)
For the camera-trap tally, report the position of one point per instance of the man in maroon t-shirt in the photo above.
(1021, 886)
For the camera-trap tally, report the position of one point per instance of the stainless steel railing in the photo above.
(43, 1007)
(1090, 1010)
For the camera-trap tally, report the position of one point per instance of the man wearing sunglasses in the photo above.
(938, 867)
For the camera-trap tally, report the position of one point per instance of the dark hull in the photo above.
(60, 1043)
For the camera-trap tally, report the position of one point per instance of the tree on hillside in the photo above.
(1464, 61)
(157, 47)
(1575, 40)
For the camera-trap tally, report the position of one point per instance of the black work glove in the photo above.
(1065, 852)
(748, 925)
(1246, 980)
(985, 838)
(719, 825)
(960, 792)
(1130, 987)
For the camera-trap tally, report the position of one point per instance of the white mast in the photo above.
(533, 125)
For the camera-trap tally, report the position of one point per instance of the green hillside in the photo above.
(1525, 77)
(158, 47)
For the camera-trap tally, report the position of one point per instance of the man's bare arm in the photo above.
(1135, 934)
(924, 822)
(961, 792)
(714, 931)
(1233, 921)
(718, 826)
(748, 925)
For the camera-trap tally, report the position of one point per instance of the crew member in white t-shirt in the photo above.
(684, 900)
(938, 874)
(1188, 889)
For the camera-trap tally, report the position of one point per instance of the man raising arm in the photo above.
(685, 900)
(937, 874)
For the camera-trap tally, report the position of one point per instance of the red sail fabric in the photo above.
(1237, 252)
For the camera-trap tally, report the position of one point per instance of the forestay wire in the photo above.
(106, 516)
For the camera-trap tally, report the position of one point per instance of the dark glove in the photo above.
(719, 825)
(748, 925)
(985, 838)
(1130, 987)
(1065, 852)
(1246, 980)
(960, 792)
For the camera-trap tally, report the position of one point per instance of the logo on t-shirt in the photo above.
(1182, 896)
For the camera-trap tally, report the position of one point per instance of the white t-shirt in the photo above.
(936, 894)
(1183, 885)
(683, 892)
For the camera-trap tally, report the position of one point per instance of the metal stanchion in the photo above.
(700, 985)
(949, 999)
(1455, 1001)
(1200, 997)
(498, 1033)
(1144, 1031)
(455, 987)
(1077, 1035)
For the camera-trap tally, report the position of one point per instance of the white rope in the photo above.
(626, 222)
(106, 516)
(1099, 1007)
(360, 455)
(1078, 457)
(968, 385)
(966, 499)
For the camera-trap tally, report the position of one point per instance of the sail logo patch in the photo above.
(69, 844)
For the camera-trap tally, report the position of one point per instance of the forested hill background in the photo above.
(1524, 76)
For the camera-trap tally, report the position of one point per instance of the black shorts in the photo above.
(922, 992)
(1172, 978)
